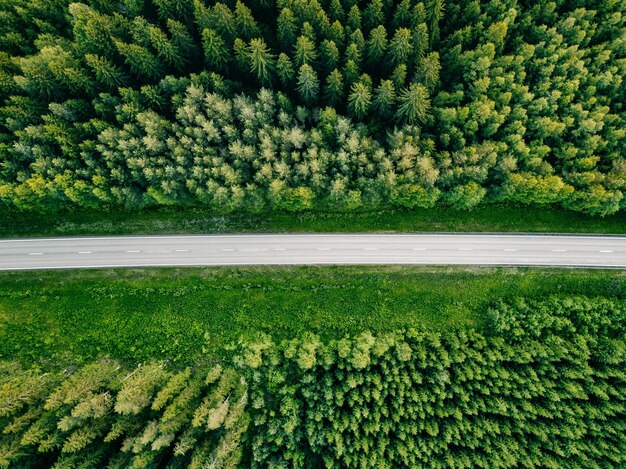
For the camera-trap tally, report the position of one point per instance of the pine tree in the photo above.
(286, 28)
(223, 21)
(413, 104)
(359, 100)
(284, 69)
(262, 62)
(337, 34)
(351, 72)
(140, 60)
(400, 47)
(376, 47)
(336, 11)
(373, 15)
(182, 40)
(308, 84)
(399, 76)
(402, 15)
(245, 24)
(353, 22)
(434, 13)
(179, 10)
(353, 53)
(333, 88)
(304, 52)
(384, 99)
(308, 32)
(428, 71)
(215, 50)
(240, 50)
(420, 41)
(106, 73)
(329, 54)
(165, 49)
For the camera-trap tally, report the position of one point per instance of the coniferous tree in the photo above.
(413, 104)
(141, 61)
(329, 54)
(400, 47)
(376, 47)
(384, 99)
(215, 49)
(245, 24)
(286, 28)
(262, 62)
(308, 84)
(304, 52)
(373, 15)
(399, 76)
(359, 100)
(284, 69)
(106, 72)
(333, 88)
(353, 21)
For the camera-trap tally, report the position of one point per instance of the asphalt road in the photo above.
(421, 249)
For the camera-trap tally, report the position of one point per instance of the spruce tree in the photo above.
(284, 69)
(413, 104)
(286, 28)
(400, 47)
(384, 99)
(304, 52)
(215, 50)
(262, 62)
(245, 24)
(376, 47)
(308, 84)
(333, 88)
(329, 54)
(359, 100)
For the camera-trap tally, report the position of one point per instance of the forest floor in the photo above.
(488, 218)
(185, 315)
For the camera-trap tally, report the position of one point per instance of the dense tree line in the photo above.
(105, 415)
(542, 384)
(505, 101)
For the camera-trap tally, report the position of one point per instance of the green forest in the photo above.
(291, 116)
(542, 384)
(300, 104)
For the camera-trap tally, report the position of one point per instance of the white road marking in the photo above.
(84, 252)
(393, 249)
(227, 250)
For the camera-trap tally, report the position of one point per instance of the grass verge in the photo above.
(53, 317)
(494, 218)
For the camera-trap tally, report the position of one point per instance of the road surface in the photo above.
(300, 249)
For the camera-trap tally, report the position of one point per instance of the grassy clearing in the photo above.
(54, 317)
(168, 221)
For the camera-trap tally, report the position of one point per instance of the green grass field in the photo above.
(56, 317)
(485, 218)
